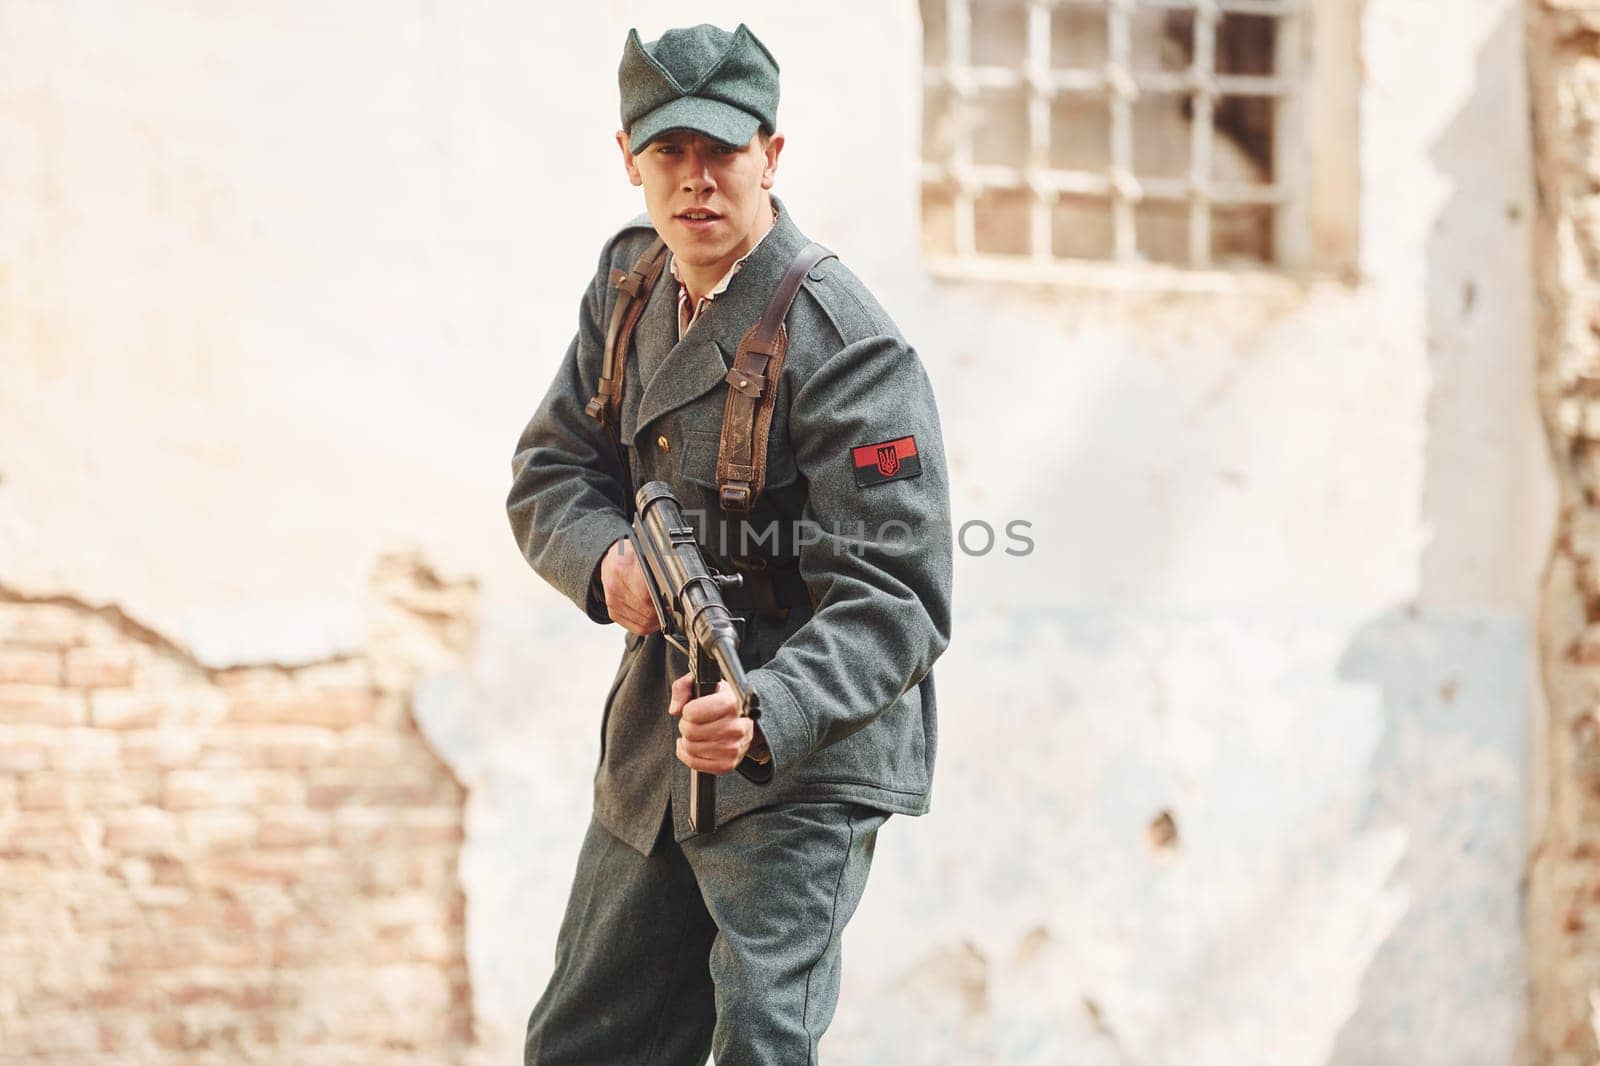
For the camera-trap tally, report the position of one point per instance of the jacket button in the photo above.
(664, 444)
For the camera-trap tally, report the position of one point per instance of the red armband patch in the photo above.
(887, 460)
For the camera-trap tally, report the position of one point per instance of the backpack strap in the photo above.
(752, 392)
(633, 291)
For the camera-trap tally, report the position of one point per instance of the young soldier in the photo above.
(675, 943)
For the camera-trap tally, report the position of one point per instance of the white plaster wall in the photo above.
(279, 285)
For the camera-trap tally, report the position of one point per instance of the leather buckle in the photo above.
(596, 409)
(746, 383)
(628, 283)
(734, 497)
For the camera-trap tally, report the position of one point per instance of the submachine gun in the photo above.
(694, 619)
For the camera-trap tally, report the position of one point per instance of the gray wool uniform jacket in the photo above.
(846, 691)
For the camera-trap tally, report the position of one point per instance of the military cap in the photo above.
(721, 84)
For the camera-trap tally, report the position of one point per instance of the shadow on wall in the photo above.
(1447, 985)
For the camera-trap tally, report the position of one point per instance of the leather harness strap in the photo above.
(633, 292)
(752, 392)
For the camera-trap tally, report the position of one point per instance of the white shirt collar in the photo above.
(686, 314)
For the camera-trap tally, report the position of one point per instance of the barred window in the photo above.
(1120, 131)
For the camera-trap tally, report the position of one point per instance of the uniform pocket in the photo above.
(700, 457)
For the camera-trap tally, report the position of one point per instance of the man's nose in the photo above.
(697, 173)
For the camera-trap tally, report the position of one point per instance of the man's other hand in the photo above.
(627, 595)
(712, 737)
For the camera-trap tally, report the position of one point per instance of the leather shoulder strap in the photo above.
(753, 387)
(633, 290)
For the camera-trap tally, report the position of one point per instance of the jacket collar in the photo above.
(698, 363)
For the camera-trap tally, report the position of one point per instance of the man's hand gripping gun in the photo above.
(695, 620)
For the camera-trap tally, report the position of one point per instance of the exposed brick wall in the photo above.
(1564, 882)
(218, 866)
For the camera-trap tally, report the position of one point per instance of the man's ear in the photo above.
(774, 146)
(627, 160)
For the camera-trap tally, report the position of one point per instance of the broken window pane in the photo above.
(1245, 44)
(1242, 148)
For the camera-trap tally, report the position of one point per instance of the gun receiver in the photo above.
(695, 619)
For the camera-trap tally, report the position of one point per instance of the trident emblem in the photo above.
(888, 460)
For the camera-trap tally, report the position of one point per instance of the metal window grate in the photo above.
(1129, 131)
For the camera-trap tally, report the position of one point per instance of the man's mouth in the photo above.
(698, 215)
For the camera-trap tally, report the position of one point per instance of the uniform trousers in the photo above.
(728, 943)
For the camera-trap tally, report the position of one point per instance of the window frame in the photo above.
(1313, 81)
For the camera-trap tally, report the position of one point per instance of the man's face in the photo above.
(705, 198)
